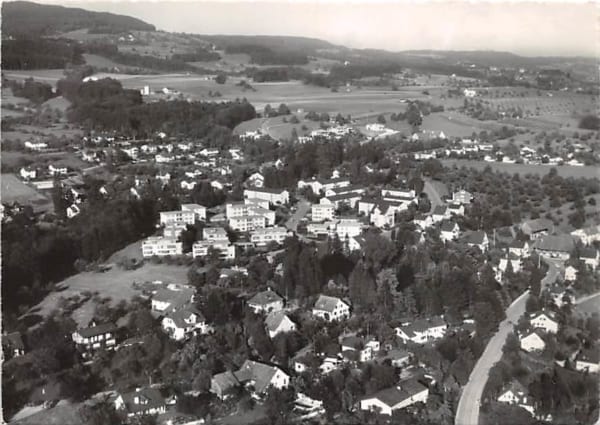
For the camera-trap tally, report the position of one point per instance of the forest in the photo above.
(105, 105)
(262, 55)
(40, 53)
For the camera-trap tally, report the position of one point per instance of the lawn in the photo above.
(63, 414)
(14, 190)
(116, 283)
(563, 170)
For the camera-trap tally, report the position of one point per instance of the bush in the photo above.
(590, 122)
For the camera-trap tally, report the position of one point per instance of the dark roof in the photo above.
(448, 226)
(264, 298)
(97, 330)
(517, 244)
(474, 237)
(352, 341)
(439, 210)
(151, 396)
(561, 243)
(591, 355)
(326, 303)
(538, 225)
(274, 319)
(179, 315)
(588, 252)
(394, 395)
(259, 373)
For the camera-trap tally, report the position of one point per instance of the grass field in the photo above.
(14, 190)
(50, 76)
(116, 283)
(563, 170)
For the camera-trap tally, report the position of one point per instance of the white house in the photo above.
(278, 322)
(176, 217)
(590, 257)
(225, 249)
(253, 374)
(477, 239)
(27, 173)
(532, 342)
(519, 248)
(570, 274)
(159, 246)
(36, 146)
(266, 302)
(514, 261)
(545, 322)
(449, 231)
(331, 308)
(141, 402)
(588, 360)
(516, 394)
(248, 223)
(348, 228)
(440, 213)
(462, 197)
(184, 322)
(73, 211)
(405, 394)
(588, 235)
(422, 330)
(274, 196)
(256, 180)
(198, 210)
(172, 297)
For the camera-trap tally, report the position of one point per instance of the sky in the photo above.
(530, 29)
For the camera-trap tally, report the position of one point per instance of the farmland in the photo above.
(562, 170)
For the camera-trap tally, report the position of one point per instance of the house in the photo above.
(321, 212)
(440, 213)
(278, 322)
(590, 257)
(519, 248)
(449, 231)
(514, 261)
(532, 342)
(422, 330)
(172, 297)
(538, 227)
(184, 216)
(456, 209)
(331, 308)
(214, 234)
(257, 375)
(551, 246)
(462, 197)
(544, 321)
(73, 211)
(274, 196)
(28, 173)
(589, 235)
(160, 246)
(141, 402)
(365, 349)
(266, 302)
(397, 357)
(95, 337)
(322, 185)
(405, 394)
(180, 323)
(423, 221)
(348, 228)
(588, 359)
(256, 180)
(248, 223)
(350, 199)
(477, 239)
(12, 345)
(516, 394)
(262, 237)
(560, 296)
(571, 274)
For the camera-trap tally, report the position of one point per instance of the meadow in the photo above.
(562, 170)
(14, 190)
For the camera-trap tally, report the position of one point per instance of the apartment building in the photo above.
(262, 237)
(202, 248)
(322, 212)
(160, 246)
(274, 196)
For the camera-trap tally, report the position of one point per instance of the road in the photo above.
(470, 399)
(301, 209)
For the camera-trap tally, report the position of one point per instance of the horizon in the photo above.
(525, 29)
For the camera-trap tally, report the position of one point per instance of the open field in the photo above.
(563, 170)
(116, 283)
(61, 414)
(50, 76)
(13, 160)
(14, 190)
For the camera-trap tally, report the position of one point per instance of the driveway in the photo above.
(470, 399)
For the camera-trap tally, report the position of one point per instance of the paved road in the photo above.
(301, 209)
(470, 400)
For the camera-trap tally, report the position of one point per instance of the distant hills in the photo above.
(22, 18)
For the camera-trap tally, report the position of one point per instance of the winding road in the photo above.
(470, 399)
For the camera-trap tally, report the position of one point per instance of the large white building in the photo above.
(248, 223)
(198, 210)
(348, 228)
(214, 233)
(322, 212)
(202, 248)
(250, 208)
(177, 217)
(322, 185)
(160, 246)
(274, 196)
(263, 236)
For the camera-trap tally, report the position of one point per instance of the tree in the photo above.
(221, 78)
(381, 119)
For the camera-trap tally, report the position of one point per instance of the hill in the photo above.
(22, 18)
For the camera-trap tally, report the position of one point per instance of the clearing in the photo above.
(14, 190)
(116, 283)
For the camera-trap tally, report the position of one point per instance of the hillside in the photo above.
(31, 19)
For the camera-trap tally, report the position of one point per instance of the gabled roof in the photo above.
(539, 225)
(327, 303)
(518, 244)
(421, 325)
(448, 226)
(260, 373)
(151, 396)
(225, 380)
(395, 395)
(590, 355)
(439, 210)
(590, 253)
(179, 315)
(274, 320)
(561, 243)
(97, 330)
(474, 237)
(175, 297)
(264, 298)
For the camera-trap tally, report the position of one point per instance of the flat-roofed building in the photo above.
(160, 246)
